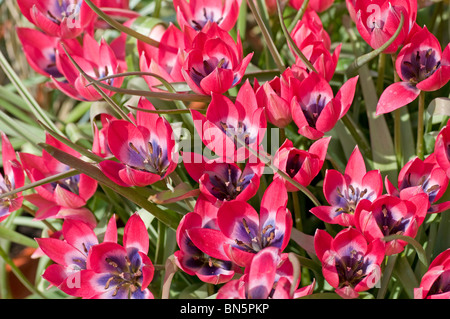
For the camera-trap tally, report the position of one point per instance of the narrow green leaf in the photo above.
(291, 42)
(405, 274)
(382, 146)
(268, 39)
(34, 107)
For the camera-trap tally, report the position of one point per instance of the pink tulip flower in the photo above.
(302, 166)
(421, 66)
(391, 215)
(349, 263)
(64, 19)
(215, 63)
(197, 13)
(344, 191)
(145, 149)
(315, 110)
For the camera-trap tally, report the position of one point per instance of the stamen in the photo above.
(133, 147)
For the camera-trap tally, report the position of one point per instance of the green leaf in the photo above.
(405, 274)
(33, 106)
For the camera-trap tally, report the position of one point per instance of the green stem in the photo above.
(270, 44)
(420, 128)
(19, 274)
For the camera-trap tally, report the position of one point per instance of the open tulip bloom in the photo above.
(421, 66)
(242, 232)
(378, 20)
(269, 276)
(215, 63)
(344, 192)
(349, 263)
(442, 147)
(144, 148)
(65, 19)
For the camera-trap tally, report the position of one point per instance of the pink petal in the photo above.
(395, 96)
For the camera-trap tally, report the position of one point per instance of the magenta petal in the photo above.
(135, 234)
(395, 96)
(138, 178)
(230, 220)
(356, 168)
(111, 169)
(262, 273)
(209, 241)
(60, 251)
(79, 234)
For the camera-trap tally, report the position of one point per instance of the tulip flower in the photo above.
(242, 232)
(167, 59)
(40, 51)
(442, 147)
(349, 263)
(219, 181)
(378, 20)
(434, 284)
(422, 176)
(227, 126)
(421, 66)
(114, 271)
(316, 5)
(13, 178)
(302, 166)
(97, 60)
(269, 276)
(145, 149)
(314, 42)
(215, 63)
(216, 268)
(344, 191)
(70, 253)
(197, 13)
(272, 96)
(66, 196)
(64, 19)
(315, 110)
(391, 215)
